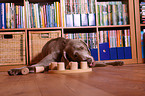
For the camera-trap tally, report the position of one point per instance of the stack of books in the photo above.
(77, 13)
(11, 16)
(112, 13)
(115, 38)
(41, 16)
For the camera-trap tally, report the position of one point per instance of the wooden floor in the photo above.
(127, 80)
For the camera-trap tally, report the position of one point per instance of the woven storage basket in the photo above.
(37, 39)
(12, 48)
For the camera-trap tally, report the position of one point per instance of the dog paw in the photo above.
(13, 72)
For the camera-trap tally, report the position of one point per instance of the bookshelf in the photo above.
(90, 27)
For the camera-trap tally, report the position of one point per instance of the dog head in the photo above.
(77, 50)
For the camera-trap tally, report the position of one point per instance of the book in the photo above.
(114, 13)
(0, 15)
(110, 22)
(125, 14)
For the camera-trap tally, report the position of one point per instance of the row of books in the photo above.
(89, 38)
(112, 13)
(113, 44)
(142, 12)
(77, 13)
(40, 16)
(11, 16)
(116, 38)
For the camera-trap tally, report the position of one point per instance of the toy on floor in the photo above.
(59, 67)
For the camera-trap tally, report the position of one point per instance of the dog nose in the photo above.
(89, 60)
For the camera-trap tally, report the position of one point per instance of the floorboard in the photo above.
(127, 80)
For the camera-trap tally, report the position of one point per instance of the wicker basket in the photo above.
(37, 39)
(12, 48)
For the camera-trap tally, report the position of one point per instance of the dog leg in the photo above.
(103, 64)
(115, 63)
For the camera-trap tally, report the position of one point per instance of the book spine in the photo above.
(101, 14)
(120, 17)
(98, 15)
(110, 22)
(0, 16)
(125, 38)
(125, 15)
(128, 35)
(8, 15)
(44, 10)
(23, 17)
(29, 16)
(105, 20)
(37, 15)
(31, 11)
(114, 13)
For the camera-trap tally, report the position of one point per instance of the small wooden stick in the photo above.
(39, 69)
(53, 66)
(60, 66)
(73, 65)
(84, 65)
(18, 71)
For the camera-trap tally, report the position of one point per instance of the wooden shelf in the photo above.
(47, 28)
(15, 29)
(138, 31)
(112, 26)
(81, 27)
(142, 25)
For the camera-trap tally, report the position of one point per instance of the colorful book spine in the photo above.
(105, 14)
(110, 22)
(0, 15)
(120, 17)
(125, 14)
(114, 13)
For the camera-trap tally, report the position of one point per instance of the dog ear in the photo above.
(65, 42)
(64, 59)
(86, 45)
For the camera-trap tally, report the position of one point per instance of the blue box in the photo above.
(113, 53)
(120, 52)
(94, 53)
(104, 51)
(127, 53)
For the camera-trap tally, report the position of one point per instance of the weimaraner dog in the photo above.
(66, 50)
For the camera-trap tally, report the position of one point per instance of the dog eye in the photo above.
(80, 48)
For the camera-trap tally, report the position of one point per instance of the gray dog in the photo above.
(66, 50)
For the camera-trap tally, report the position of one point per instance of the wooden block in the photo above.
(39, 69)
(24, 71)
(73, 65)
(84, 65)
(53, 66)
(69, 71)
(60, 66)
